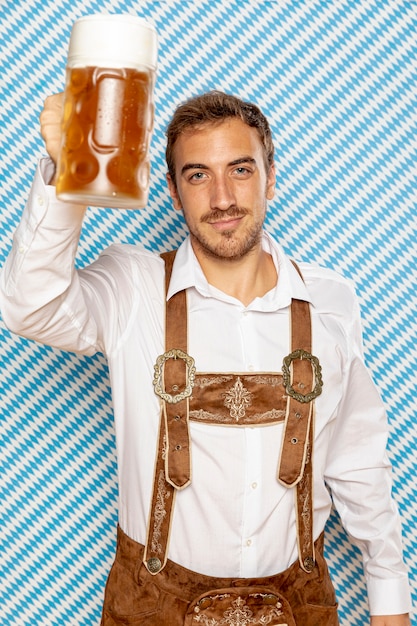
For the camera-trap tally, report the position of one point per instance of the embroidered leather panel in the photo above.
(243, 607)
(238, 399)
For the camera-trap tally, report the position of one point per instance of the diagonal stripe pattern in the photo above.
(338, 83)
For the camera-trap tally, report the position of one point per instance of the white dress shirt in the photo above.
(234, 519)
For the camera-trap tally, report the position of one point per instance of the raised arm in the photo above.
(42, 296)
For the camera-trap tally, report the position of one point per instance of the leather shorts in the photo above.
(177, 596)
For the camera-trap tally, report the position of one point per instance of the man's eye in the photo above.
(197, 176)
(242, 171)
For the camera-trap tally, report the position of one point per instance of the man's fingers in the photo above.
(50, 124)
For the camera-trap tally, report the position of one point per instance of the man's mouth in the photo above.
(226, 223)
(224, 220)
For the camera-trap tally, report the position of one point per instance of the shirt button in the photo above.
(40, 200)
(250, 368)
(249, 542)
(254, 485)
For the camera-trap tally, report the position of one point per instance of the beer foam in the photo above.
(116, 40)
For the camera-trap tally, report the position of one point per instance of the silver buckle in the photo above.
(175, 353)
(286, 376)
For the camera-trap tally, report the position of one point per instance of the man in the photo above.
(238, 392)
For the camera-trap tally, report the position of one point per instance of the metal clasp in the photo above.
(175, 353)
(286, 376)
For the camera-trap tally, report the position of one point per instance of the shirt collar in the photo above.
(187, 273)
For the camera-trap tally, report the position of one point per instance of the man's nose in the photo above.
(222, 194)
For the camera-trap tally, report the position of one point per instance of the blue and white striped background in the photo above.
(338, 82)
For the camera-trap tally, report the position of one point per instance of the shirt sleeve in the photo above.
(358, 473)
(42, 296)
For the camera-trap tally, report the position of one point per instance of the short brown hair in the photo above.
(211, 108)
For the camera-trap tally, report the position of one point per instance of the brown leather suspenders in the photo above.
(175, 376)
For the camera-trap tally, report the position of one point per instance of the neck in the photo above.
(245, 278)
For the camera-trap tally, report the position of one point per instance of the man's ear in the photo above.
(270, 182)
(173, 191)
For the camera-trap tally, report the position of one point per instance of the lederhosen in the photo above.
(144, 587)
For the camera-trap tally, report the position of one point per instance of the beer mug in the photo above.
(108, 112)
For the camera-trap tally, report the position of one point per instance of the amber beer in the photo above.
(107, 126)
(107, 120)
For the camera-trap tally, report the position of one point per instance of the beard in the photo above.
(227, 244)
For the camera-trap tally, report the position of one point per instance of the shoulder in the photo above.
(126, 268)
(330, 292)
(133, 255)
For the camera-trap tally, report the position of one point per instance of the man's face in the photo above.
(222, 187)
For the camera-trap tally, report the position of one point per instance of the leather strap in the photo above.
(298, 416)
(178, 445)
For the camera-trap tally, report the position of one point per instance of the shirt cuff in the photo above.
(390, 596)
(44, 204)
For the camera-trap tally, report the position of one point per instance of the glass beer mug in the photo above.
(108, 112)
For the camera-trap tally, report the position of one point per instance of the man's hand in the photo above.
(391, 620)
(50, 119)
